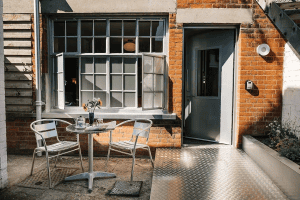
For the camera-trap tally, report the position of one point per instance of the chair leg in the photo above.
(48, 168)
(150, 157)
(56, 160)
(133, 163)
(106, 164)
(80, 155)
(32, 163)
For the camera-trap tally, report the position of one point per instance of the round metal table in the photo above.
(90, 175)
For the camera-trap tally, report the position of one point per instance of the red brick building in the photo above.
(184, 64)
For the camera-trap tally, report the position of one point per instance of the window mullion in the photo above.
(108, 81)
(136, 82)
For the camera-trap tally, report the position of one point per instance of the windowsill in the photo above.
(111, 114)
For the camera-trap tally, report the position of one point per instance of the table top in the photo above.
(92, 130)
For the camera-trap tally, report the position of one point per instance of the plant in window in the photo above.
(90, 106)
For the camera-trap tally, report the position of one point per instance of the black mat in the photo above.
(126, 188)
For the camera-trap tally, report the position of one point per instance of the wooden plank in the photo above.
(25, 60)
(17, 35)
(11, 108)
(17, 43)
(18, 101)
(18, 77)
(18, 84)
(17, 52)
(16, 17)
(16, 26)
(18, 68)
(18, 93)
(295, 16)
(289, 5)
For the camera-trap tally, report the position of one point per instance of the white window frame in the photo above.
(108, 55)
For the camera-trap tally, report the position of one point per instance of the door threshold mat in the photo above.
(126, 188)
(40, 179)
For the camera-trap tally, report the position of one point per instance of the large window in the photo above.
(121, 61)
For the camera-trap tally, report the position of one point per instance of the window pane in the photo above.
(158, 65)
(129, 82)
(59, 44)
(148, 64)
(129, 28)
(71, 28)
(100, 45)
(116, 65)
(87, 65)
(115, 45)
(87, 28)
(115, 28)
(86, 45)
(100, 28)
(158, 80)
(144, 28)
(157, 45)
(129, 45)
(102, 96)
(148, 100)
(100, 65)
(129, 65)
(116, 82)
(148, 82)
(59, 28)
(129, 99)
(144, 45)
(157, 28)
(116, 99)
(86, 82)
(158, 100)
(71, 44)
(100, 82)
(86, 96)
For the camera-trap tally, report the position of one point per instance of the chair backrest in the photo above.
(139, 126)
(47, 130)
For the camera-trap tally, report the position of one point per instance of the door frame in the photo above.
(235, 79)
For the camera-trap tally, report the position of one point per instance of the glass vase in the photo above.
(91, 118)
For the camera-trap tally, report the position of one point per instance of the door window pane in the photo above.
(86, 45)
(116, 82)
(129, 82)
(144, 44)
(116, 65)
(100, 65)
(102, 96)
(129, 99)
(100, 45)
(158, 100)
(71, 28)
(115, 28)
(100, 82)
(129, 28)
(59, 44)
(148, 82)
(157, 28)
(87, 82)
(129, 65)
(71, 44)
(148, 100)
(115, 45)
(100, 28)
(87, 65)
(86, 28)
(144, 28)
(208, 73)
(158, 79)
(116, 99)
(86, 96)
(59, 28)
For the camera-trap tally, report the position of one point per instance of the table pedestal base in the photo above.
(90, 177)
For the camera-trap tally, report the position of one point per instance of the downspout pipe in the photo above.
(37, 49)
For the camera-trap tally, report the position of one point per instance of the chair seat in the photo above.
(128, 145)
(60, 146)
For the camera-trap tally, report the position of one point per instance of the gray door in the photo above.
(209, 85)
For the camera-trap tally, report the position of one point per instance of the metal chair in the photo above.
(141, 129)
(46, 128)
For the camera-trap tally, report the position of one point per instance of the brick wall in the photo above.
(291, 87)
(3, 153)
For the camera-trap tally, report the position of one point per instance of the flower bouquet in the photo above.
(90, 106)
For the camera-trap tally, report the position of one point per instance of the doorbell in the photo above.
(249, 85)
